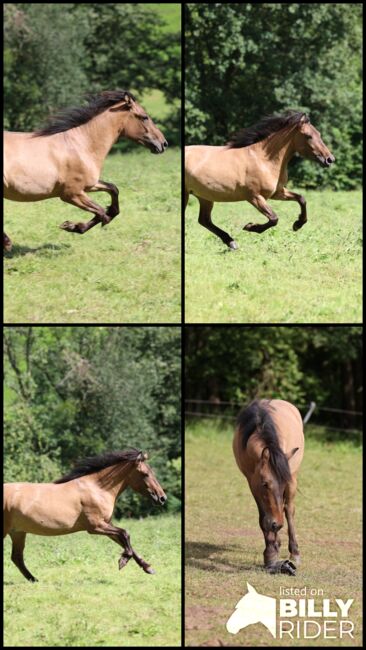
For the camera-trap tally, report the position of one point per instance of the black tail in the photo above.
(257, 418)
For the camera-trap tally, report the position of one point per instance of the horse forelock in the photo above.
(268, 125)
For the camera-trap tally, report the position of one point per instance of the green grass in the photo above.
(311, 276)
(82, 599)
(170, 12)
(126, 272)
(224, 544)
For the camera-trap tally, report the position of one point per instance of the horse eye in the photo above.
(308, 137)
(265, 485)
(145, 118)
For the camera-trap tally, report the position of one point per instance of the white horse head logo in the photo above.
(253, 608)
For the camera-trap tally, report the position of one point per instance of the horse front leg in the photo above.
(293, 548)
(83, 202)
(121, 537)
(260, 203)
(205, 220)
(103, 186)
(285, 195)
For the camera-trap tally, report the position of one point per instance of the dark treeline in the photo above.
(56, 52)
(299, 364)
(72, 392)
(245, 60)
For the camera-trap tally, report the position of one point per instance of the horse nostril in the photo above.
(162, 500)
(165, 144)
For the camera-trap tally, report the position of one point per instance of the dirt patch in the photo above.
(204, 617)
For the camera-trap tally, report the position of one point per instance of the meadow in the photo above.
(82, 599)
(224, 544)
(311, 276)
(127, 272)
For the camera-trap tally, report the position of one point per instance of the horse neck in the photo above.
(279, 146)
(101, 132)
(114, 479)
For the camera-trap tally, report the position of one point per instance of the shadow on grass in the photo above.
(211, 557)
(19, 251)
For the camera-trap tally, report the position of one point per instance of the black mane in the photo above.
(257, 417)
(69, 118)
(265, 127)
(96, 463)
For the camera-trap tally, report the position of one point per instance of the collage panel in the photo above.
(273, 452)
(92, 163)
(92, 455)
(273, 163)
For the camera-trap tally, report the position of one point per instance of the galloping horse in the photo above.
(81, 500)
(268, 447)
(252, 167)
(64, 158)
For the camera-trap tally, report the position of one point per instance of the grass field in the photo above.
(128, 272)
(82, 599)
(224, 544)
(311, 276)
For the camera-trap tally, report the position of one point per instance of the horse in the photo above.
(268, 447)
(63, 158)
(82, 500)
(252, 166)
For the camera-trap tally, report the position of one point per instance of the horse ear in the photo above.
(123, 105)
(251, 589)
(141, 457)
(304, 119)
(292, 453)
(265, 454)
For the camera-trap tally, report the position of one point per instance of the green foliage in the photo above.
(244, 60)
(54, 53)
(75, 392)
(291, 363)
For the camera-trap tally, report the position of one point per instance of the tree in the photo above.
(244, 60)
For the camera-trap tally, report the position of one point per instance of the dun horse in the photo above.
(83, 500)
(252, 167)
(268, 447)
(64, 158)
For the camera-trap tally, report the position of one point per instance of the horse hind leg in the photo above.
(205, 220)
(7, 243)
(18, 540)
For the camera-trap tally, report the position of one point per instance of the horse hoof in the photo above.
(288, 568)
(233, 245)
(149, 569)
(297, 225)
(67, 225)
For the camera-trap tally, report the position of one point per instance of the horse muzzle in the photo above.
(158, 147)
(325, 161)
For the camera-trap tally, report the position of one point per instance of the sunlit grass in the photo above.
(311, 276)
(129, 271)
(82, 599)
